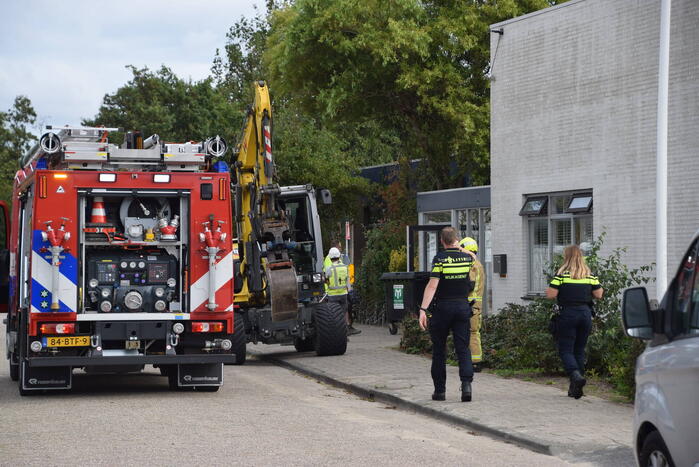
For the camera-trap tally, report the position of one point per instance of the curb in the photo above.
(374, 395)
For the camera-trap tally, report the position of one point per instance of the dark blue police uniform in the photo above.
(575, 321)
(452, 312)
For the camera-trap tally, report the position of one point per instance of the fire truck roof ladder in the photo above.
(88, 148)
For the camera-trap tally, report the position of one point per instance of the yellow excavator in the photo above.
(279, 277)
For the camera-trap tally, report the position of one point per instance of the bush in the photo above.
(517, 337)
(414, 340)
(398, 260)
(381, 241)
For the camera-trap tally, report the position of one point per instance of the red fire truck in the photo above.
(120, 256)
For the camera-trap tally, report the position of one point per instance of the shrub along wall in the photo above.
(517, 337)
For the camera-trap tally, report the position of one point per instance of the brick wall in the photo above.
(574, 106)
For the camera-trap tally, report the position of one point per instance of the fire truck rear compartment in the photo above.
(132, 249)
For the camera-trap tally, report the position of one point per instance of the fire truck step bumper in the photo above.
(131, 360)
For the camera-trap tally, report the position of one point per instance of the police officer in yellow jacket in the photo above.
(468, 244)
(450, 286)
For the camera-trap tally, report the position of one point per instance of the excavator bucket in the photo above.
(284, 293)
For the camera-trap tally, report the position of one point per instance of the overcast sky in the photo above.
(65, 56)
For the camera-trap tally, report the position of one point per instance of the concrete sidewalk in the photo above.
(539, 417)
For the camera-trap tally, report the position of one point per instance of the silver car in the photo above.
(666, 419)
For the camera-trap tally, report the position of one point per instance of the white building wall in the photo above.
(573, 106)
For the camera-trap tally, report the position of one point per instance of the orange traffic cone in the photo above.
(99, 215)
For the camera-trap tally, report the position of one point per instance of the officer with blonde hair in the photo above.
(574, 287)
(467, 244)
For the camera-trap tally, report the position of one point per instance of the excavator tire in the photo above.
(304, 345)
(331, 329)
(239, 339)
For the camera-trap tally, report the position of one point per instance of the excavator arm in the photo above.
(267, 272)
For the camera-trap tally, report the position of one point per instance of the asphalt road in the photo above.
(263, 415)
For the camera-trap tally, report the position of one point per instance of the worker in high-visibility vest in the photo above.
(344, 259)
(337, 285)
(469, 245)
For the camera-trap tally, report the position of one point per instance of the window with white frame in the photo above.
(553, 222)
(432, 238)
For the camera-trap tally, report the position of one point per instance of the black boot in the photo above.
(570, 391)
(576, 385)
(465, 392)
(439, 396)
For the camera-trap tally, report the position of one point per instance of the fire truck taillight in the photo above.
(107, 178)
(161, 178)
(58, 328)
(207, 327)
(60, 176)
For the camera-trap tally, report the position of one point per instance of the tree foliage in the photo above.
(417, 67)
(307, 149)
(15, 140)
(159, 102)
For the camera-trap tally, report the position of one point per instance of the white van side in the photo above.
(666, 418)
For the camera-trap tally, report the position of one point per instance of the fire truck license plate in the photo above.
(68, 341)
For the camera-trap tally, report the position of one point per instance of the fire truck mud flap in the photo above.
(45, 378)
(197, 376)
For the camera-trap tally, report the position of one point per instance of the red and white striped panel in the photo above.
(199, 290)
(268, 143)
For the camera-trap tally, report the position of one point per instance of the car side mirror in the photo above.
(636, 313)
(325, 196)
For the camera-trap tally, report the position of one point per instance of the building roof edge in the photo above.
(479, 187)
(534, 13)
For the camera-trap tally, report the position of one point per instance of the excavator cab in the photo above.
(299, 204)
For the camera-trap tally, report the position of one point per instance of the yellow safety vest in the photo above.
(338, 279)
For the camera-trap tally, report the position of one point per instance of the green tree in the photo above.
(15, 140)
(240, 65)
(161, 102)
(307, 149)
(417, 67)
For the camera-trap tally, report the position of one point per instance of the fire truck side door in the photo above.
(4, 256)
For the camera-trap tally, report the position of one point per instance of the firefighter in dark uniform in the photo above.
(450, 286)
(574, 287)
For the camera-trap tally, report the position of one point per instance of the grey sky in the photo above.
(66, 55)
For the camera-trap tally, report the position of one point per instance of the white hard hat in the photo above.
(334, 253)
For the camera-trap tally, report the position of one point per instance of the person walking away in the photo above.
(337, 282)
(574, 287)
(327, 262)
(468, 244)
(449, 286)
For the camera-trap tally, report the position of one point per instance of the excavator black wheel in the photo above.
(304, 345)
(239, 339)
(331, 329)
